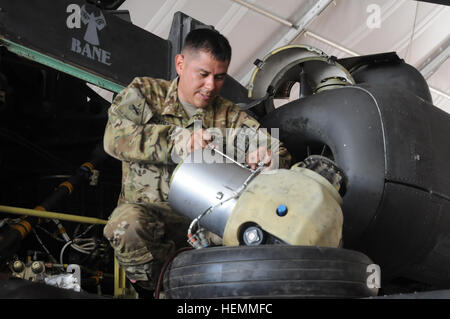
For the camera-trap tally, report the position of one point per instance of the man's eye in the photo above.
(204, 75)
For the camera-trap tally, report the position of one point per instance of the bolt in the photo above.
(252, 236)
(18, 266)
(37, 267)
(219, 195)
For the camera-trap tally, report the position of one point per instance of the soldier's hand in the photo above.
(199, 139)
(260, 155)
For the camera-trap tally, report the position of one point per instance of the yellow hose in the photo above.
(120, 282)
(51, 215)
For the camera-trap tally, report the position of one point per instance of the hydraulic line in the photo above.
(82, 174)
(10, 238)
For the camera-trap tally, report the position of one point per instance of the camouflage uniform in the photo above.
(146, 130)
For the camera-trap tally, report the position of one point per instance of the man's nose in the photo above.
(210, 83)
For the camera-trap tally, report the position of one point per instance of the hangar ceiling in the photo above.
(418, 31)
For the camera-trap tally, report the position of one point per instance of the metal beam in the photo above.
(265, 13)
(436, 91)
(335, 45)
(436, 59)
(293, 33)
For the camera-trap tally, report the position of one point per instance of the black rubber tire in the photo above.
(268, 271)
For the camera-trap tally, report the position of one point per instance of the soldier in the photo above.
(151, 123)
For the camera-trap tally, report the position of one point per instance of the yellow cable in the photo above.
(51, 215)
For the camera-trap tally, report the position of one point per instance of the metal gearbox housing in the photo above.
(313, 215)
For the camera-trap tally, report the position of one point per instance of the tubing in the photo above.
(51, 215)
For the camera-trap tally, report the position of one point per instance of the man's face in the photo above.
(201, 77)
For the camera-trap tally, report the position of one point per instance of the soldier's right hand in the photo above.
(199, 139)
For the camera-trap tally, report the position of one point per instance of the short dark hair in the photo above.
(210, 41)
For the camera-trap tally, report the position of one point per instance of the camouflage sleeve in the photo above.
(258, 136)
(132, 132)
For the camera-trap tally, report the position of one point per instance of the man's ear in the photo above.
(179, 63)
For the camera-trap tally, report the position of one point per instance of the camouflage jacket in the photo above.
(148, 127)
